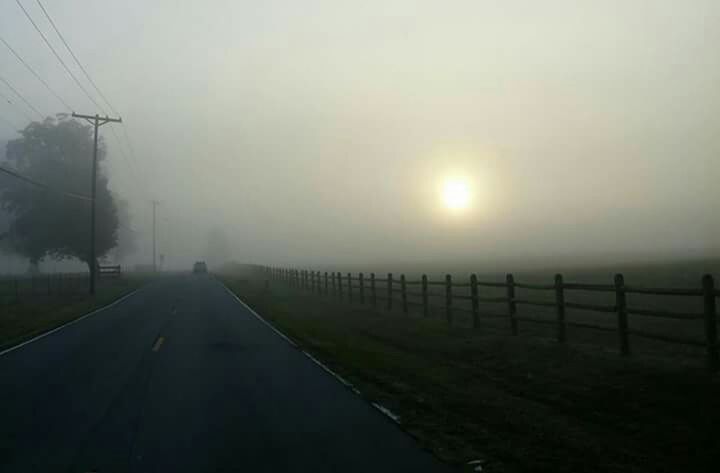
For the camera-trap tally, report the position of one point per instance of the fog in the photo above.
(321, 132)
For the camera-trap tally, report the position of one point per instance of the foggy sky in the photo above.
(317, 132)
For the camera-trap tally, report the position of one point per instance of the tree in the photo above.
(126, 238)
(218, 251)
(45, 223)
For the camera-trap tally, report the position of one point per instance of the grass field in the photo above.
(35, 312)
(517, 403)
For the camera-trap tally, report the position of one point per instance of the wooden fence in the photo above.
(14, 289)
(466, 297)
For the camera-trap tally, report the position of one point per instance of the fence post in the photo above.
(475, 301)
(448, 299)
(326, 283)
(560, 307)
(349, 275)
(710, 323)
(373, 294)
(426, 306)
(362, 288)
(389, 291)
(403, 292)
(621, 302)
(512, 306)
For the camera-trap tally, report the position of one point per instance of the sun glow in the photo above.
(456, 194)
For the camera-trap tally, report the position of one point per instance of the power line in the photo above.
(55, 53)
(127, 159)
(5, 98)
(30, 106)
(133, 157)
(77, 61)
(37, 76)
(43, 186)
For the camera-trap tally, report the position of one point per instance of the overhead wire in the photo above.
(5, 98)
(128, 159)
(34, 73)
(77, 61)
(57, 56)
(132, 156)
(21, 97)
(33, 182)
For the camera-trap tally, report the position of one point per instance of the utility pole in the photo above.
(154, 204)
(96, 121)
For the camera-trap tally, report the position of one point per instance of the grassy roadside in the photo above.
(519, 404)
(28, 318)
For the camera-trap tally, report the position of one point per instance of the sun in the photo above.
(456, 194)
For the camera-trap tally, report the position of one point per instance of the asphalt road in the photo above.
(180, 377)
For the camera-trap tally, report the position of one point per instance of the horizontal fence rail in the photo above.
(470, 296)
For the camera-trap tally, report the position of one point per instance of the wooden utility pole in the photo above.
(96, 121)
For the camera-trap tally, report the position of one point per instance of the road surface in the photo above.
(180, 377)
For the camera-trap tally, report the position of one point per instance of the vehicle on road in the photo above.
(200, 267)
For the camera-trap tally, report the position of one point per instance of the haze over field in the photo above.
(322, 132)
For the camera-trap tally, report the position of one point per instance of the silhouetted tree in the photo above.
(58, 153)
(218, 251)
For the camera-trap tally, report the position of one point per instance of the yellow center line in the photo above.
(158, 344)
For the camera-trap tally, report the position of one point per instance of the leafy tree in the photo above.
(58, 153)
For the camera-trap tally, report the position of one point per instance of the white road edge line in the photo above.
(384, 410)
(67, 324)
(272, 327)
